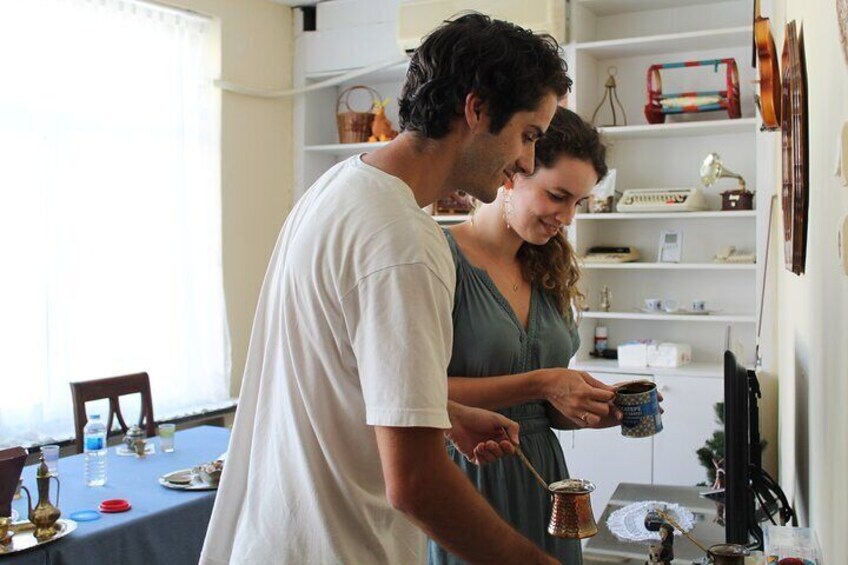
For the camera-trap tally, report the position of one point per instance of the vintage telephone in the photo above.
(728, 254)
(662, 200)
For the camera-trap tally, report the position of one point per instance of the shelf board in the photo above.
(673, 266)
(611, 366)
(611, 7)
(344, 149)
(711, 318)
(451, 218)
(395, 73)
(668, 43)
(681, 129)
(643, 131)
(714, 214)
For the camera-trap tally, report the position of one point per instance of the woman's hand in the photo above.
(579, 397)
(479, 434)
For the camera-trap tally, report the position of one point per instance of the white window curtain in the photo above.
(110, 209)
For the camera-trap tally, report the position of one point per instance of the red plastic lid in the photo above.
(115, 505)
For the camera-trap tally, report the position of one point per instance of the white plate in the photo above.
(196, 482)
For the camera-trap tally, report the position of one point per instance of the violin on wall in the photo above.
(769, 71)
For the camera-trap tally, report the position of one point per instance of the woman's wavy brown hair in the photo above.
(553, 266)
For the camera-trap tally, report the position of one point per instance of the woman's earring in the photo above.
(507, 206)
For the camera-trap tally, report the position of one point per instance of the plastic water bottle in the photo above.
(94, 447)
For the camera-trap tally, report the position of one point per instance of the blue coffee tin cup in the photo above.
(640, 408)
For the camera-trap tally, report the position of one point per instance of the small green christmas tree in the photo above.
(711, 455)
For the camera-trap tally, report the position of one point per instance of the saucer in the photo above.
(124, 451)
(180, 477)
(185, 479)
(679, 312)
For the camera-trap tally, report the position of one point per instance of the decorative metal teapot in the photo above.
(44, 515)
(135, 440)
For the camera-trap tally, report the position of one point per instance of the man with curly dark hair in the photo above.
(337, 453)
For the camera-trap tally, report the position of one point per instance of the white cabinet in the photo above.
(607, 458)
(689, 420)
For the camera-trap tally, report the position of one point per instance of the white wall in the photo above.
(812, 314)
(256, 162)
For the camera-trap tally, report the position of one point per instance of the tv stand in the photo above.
(604, 548)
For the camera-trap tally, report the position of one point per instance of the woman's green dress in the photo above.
(489, 341)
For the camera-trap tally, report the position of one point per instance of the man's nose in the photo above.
(526, 162)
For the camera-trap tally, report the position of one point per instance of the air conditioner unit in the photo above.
(417, 18)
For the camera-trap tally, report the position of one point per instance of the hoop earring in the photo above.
(507, 206)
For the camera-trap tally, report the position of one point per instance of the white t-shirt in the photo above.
(353, 330)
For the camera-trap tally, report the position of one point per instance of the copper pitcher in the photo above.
(44, 516)
(571, 515)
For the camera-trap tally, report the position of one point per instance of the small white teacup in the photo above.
(670, 305)
(653, 304)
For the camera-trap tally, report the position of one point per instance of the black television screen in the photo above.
(738, 408)
(751, 495)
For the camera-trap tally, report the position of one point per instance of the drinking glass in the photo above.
(166, 437)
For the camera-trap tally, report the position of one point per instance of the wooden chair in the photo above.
(113, 388)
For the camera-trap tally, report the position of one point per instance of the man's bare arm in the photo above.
(424, 484)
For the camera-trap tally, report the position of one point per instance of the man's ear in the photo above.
(475, 110)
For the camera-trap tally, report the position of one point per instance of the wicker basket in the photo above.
(354, 127)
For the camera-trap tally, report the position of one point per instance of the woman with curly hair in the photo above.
(515, 327)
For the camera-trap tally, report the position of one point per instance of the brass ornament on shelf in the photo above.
(611, 93)
(605, 302)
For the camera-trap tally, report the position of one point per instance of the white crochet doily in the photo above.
(628, 523)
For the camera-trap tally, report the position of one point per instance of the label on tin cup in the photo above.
(640, 410)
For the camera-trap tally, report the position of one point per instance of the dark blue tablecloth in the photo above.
(164, 526)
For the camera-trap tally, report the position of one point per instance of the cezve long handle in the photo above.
(532, 469)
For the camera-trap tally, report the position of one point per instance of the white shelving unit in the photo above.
(632, 35)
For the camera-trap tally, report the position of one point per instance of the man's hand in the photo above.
(479, 434)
